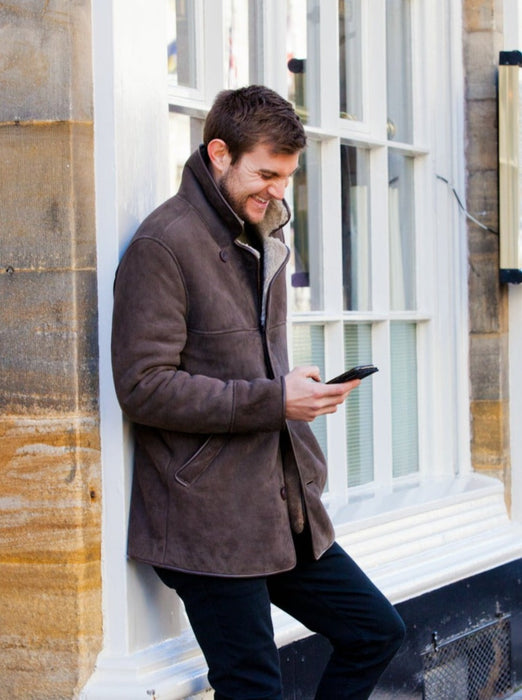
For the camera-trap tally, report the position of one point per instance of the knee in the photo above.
(387, 634)
(384, 631)
(393, 632)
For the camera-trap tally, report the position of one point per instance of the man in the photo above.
(226, 499)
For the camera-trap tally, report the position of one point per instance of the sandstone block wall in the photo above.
(482, 41)
(50, 514)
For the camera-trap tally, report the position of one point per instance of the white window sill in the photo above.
(409, 542)
(422, 537)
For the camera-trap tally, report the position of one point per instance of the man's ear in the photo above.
(219, 155)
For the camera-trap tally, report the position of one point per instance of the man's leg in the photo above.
(232, 623)
(333, 597)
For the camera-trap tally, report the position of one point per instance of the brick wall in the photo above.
(50, 586)
(482, 41)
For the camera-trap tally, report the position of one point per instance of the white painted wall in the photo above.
(512, 41)
(131, 133)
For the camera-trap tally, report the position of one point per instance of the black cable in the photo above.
(463, 208)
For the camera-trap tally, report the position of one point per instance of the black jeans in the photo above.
(332, 596)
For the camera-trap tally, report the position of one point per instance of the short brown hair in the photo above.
(252, 115)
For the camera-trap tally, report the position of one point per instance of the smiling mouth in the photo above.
(259, 200)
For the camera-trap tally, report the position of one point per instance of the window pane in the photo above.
(359, 407)
(182, 43)
(402, 239)
(355, 228)
(404, 398)
(305, 267)
(350, 59)
(399, 76)
(308, 349)
(180, 147)
(302, 52)
(236, 43)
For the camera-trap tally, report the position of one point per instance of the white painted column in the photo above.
(131, 167)
(513, 41)
(131, 179)
(515, 398)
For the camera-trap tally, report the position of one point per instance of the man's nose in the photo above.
(277, 188)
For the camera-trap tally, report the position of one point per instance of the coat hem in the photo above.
(162, 565)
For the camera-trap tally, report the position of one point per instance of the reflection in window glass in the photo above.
(399, 73)
(179, 147)
(355, 229)
(306, 260)
(404, 398)
(302, 52)
(359, 407)
(350, 59)
(401, 230)
(308, 349)
(236, 43)
(181, 48)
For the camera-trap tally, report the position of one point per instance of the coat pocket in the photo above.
(191, 470)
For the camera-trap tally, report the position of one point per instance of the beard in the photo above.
(242, 204)
(235, 202)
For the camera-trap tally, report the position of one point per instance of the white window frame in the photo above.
(371, 133)
(209, 74)
(409, 540)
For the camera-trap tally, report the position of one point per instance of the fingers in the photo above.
(307, 372)
(345, 387)
(306, 400)
(331, 395)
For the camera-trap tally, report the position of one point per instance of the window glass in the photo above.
(404, 398)
(399, 73)
(350, 59)
(181, 48)
(308, 349)
(179, 147)
(401, 231)
(359, 407)
(236, 43)
(355, 228)
(305, 268)
(302, 51)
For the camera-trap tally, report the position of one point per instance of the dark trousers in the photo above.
(232, 622)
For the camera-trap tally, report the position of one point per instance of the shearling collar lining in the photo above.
(275, 255)
(276, 216)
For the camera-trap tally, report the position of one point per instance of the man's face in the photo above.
(255, 179)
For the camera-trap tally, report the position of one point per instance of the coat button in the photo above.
(283, 493)
(224, 255)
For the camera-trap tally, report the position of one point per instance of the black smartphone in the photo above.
(358, 372)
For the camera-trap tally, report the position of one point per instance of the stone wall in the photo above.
(50, 515)
(482, 40)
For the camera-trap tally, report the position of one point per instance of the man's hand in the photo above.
(305, 399)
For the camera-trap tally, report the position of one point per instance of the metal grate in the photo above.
(474, 665)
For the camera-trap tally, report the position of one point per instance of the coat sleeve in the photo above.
(148, 336)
